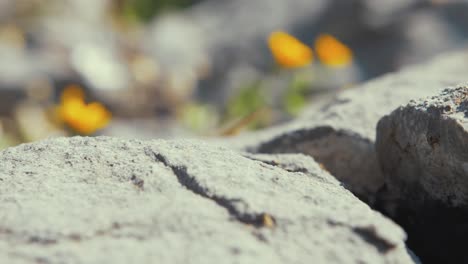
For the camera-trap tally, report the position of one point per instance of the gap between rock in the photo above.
(348, 156)
(345, 155)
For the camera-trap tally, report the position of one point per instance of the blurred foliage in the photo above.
(145, 10)
(248, 100)
(199, 117)
(153, 92)
(295, 98)
(6, 141)
(292, 58)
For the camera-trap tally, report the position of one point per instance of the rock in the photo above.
(423, 151)
(107, 200)
(340, 134)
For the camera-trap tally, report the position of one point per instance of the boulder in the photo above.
(108, 200)
(423, 151)
(340, 133)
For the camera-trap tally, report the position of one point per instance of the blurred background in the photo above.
(172, 68)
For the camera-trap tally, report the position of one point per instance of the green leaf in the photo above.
(296, 95)
(249, 99)
(199, 117)
(145, 10)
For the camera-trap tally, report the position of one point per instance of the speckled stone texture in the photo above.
(107, 200)
(340, 134)
(423, 151)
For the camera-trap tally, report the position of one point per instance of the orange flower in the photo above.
(81, 117)
(332, 52)
(288, 51)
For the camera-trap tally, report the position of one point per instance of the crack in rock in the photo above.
(190, 182)
(370, 235)
(286, 167)
(73, 237)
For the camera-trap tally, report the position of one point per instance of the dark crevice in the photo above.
(369, 235)
(436, 232)
(190, 182)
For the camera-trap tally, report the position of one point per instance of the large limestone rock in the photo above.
(106, 200)
(340, 134)
(423, 151)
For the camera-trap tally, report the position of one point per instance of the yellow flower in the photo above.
(81, 117)
(332, 52)
(288, 51)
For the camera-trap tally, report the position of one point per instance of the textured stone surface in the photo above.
(341, 133)
(425, 143)
(106, 200)
(423, 151)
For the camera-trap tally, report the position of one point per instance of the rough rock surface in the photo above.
(106, 200)
(340, 134)
(423, 151)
